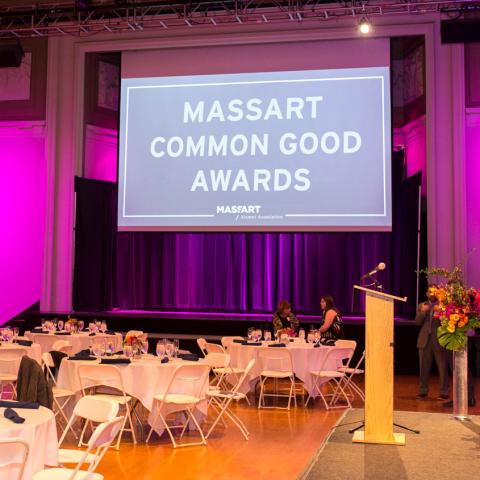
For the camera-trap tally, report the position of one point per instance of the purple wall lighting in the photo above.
(22, 213)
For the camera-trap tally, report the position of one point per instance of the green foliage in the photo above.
(451, 341)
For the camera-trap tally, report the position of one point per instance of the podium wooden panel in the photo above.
(379, 370)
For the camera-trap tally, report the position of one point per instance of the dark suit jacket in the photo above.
(32, 385)
(428, 330)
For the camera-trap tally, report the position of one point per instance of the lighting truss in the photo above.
(97, 16)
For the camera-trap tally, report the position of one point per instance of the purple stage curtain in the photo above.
(236, 272)
(243, 272)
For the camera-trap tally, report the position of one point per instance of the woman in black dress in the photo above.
(332, 326)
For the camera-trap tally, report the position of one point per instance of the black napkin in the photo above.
(82, 358)
(12, 403)
(317, 345)
(24, 343)
(164, 360)
(192, 357)
(63, 333)
(92, 334)
(112, 361)
(277, 345)
(236, 340)
(110, 332)
(39, 330)
(254, 344)
(12, 415)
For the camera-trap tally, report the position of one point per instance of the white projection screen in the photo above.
(275, 137)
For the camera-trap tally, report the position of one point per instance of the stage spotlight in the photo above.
(364, 26)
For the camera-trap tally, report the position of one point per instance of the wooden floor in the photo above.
(281, 444)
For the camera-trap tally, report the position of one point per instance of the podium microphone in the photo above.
(380, 266)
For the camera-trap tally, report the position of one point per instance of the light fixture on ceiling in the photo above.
(364, 26)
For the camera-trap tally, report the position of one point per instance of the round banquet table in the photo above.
(305, 358)
(79, 341)
(142, 379)
(40, 432)
(34, 351)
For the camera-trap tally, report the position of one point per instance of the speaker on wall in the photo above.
(11, 55)
(460, 31)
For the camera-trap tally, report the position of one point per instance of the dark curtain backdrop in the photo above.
(237, 272)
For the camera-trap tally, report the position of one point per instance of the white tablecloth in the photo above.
(34, 351)
(79, 341)
(40, 432)
(142, 379)
(305, 358)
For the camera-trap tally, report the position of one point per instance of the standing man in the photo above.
(428, 346)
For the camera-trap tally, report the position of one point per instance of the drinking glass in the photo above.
(144, 347)
(128, 351)
(176, 347)
(284, 338)
(68, 327)
(60, 325)
(160, 349)
(98, 325)
(43, 324)
(267, 335)
(103, 327)
(97, 349)
(310, 337)
(55, 323)
(301, 334)
(81, 324)
(317, 336)
(169, 348)
(250, 333)
(110, 348)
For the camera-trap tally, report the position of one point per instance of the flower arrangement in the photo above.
(134, 339)
(458, 308)
(289, 331)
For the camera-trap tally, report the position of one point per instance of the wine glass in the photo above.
(144, 347)
(176, 347)
(169, 349)
(250, 333)
(267, 335)
(81, 324)
(110, 348)
(98, 325)
(310, 337)
(97, 349)
(43, 324)
(103, 326)
(60, 325)
(160, 349)
(301, 334)
(128, 351)
(317, 336)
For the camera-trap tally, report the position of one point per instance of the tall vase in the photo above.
(460, 387)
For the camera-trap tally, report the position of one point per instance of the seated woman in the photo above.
(284, 317)
(332, 327)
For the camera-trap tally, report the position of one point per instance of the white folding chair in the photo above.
(201, 345)
(227, 341)
(92, 410)
(213, 348)
(13, 453)
(191, 377)
(97, 375)
(334, 357)
(350, 372)
(62, 346)
(9, 364)
(98, 444)
(61, 396)
(276, 364)
(222, 399)
(219, 363)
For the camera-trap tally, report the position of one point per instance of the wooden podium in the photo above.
(379, 370)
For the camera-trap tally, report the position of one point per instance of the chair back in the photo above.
(346, 344)
(44, 340)
(227, 341)
(96, 375)
(62, 346)
(13, 451)
(10, 359)
(244, 376)
(99, 442)
(189, 380)
(217, 360)
(337, 357)
(201, 345)
(277, 359)
(92, 408)
(48, 364)
(214, 348)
